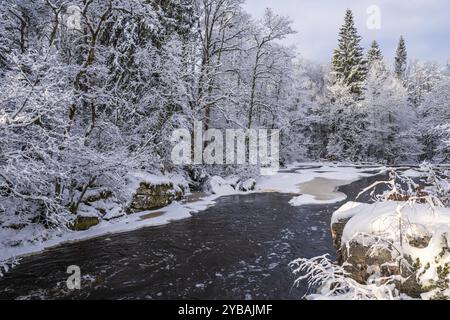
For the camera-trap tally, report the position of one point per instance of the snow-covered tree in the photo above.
(374, 54)
(345, 123)
(435, 122)
(401, 58)
(304, 134)
(349, 64)
(388, 136)
(420, 79)
(217, 36)
(81, 108)
(266, 57)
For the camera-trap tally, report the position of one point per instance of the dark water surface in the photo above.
(238, 249)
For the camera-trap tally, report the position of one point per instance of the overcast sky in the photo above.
(425, 24)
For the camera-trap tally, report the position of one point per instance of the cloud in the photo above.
(424, 23)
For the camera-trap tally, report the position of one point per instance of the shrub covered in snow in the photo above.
(331, 281)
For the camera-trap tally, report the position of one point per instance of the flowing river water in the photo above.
(238, 249)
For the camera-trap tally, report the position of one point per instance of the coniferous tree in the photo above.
(401, 59)
(374, 53)
(349, 65)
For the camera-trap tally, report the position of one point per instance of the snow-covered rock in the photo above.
(339, 220)
(220, 186)
(155, 196)
(407, 242)
(151, 192)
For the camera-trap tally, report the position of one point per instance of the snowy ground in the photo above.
(313, 183)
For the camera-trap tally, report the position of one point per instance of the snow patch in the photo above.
(382, 218)
(411, 173)
(315, 185)
(320, 191)
(220, 186)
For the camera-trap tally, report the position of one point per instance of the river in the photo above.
(238, 249)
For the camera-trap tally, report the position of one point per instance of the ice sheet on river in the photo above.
(315, 185)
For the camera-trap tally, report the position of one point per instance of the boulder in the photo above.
(367, 242)
(362, 260)
(339, 220)
(220, 186)
(84, 223)
(337, 229)
(155, 196)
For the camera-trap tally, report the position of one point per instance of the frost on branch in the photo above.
(332, 281)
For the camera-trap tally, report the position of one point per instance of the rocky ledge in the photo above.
(155, 196)
(371, 249)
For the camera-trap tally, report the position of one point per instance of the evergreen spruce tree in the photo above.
(401, 59)
(349, 65)
(374, 54)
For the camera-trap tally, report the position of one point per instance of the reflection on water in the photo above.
(238, 249)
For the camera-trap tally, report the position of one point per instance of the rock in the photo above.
(220, 186)
(337, 230)
(339, 220)
(97, 195)
(233, 181)
(152, 197)
(419, 242)
(411, 286)
(420, 236)
(362, 260)
(84, 223)
(372, 254)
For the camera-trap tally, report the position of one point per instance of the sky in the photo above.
(425, 25)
